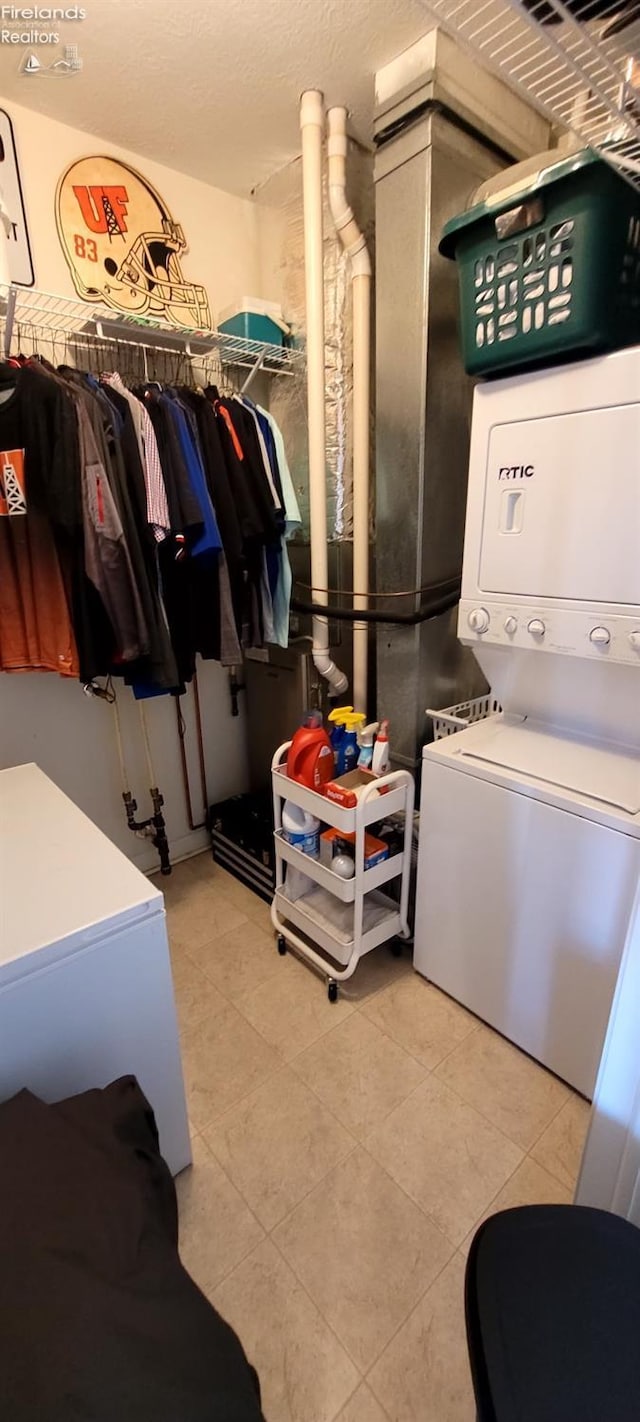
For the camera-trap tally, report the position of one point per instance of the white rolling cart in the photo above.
(345, 918)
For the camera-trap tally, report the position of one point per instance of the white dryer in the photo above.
(530, 822)
(551, 570)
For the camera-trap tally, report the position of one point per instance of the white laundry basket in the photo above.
(456, 718)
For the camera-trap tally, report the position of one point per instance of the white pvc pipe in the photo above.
(355, 245)
(312, 130)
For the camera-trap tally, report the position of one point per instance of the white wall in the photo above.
(223, 232)
(233, 251)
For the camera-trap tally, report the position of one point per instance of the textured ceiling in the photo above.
(211, 87)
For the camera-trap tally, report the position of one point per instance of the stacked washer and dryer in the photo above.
(530, 819)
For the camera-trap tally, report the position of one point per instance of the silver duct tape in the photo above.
(339, 387)
(288, 397)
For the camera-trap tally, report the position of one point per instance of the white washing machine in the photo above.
(530, 821)
(529, 859)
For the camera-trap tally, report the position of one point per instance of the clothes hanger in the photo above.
(54, 349)
(9, 367)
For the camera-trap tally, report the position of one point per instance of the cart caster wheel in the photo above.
(332, 990)
(395, 947)
(282, 946)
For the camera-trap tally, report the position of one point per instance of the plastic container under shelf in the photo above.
(456, 718)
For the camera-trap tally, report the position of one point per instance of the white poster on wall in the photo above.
(18, 249)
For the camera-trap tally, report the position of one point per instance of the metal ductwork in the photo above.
(442, 126)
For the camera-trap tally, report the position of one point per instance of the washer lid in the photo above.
(587, 768)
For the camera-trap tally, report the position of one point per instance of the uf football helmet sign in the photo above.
(122, 245)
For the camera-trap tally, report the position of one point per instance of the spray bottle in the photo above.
(337, 720)
(348, 753)
(380, 761)
(366, 738)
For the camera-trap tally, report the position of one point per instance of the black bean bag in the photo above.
(99, 1322)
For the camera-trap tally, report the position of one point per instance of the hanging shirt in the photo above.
(36, 631)
(230, 649)
(107, 559)
(274, 554)
(256, 472)
(282, 595)
(252, 410)
(270, 569)
(157, 506)
(291, 506)
(209, 540)
(222, 496)
(112, 426)
(184, 510)
(267, 502)
(267, 435)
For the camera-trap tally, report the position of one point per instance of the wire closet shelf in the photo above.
(42, 315)
(576, 61)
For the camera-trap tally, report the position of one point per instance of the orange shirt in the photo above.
(35, 626)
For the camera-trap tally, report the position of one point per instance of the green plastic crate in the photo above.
(549, 271)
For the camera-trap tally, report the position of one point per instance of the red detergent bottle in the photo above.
(310, 758)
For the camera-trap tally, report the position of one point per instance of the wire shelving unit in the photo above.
(41, 315)
(576, 61)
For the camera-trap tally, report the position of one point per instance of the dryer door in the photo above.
(562, 508)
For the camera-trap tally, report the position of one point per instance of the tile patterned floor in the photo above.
(343, 1157)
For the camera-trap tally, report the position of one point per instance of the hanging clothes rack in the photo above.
(141, 590)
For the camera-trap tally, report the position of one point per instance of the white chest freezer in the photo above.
(528, 861)
(86, 993)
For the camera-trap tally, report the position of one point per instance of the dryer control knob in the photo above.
(536, 627)
(634, 638)
(478, 619)
(601, 636)
(511, 625)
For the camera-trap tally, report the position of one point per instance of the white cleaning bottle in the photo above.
(301, 829)
(366, 738)
(380, 762)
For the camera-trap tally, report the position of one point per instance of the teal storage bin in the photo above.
(253, 327)
(551, 271)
